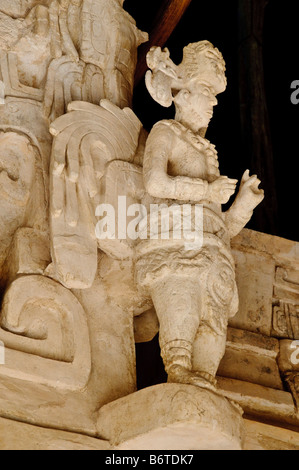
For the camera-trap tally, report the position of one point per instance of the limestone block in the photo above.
(29, 253)
(267, 276)
(44, 331)
(260, 436)
(286, 302)
(251, 357)
(184, 417)
(259, 401)
(15, 435)
(111, 332)
(255, 277)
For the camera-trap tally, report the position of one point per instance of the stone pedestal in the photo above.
(172, 417)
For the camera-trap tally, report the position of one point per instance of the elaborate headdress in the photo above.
(202, 63)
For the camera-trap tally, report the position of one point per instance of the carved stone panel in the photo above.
(286, 303)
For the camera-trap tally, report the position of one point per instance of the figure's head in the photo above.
(192, 86)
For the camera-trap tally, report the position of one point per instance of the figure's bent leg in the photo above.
(177, 301)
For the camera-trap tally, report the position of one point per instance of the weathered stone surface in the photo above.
(267, 276)
(254, 275)
(185, 417)
(260, 436)
(81, 265)
(146, 326)
(19, 436)
(259, 401)
(251, 357)
(191, 277)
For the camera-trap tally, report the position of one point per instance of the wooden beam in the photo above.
(255, 124)
(166, 20)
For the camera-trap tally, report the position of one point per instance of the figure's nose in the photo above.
(214, 101)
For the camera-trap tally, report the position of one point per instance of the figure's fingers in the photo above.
(57, 196)
(88, 169)
(73, 164)
(256, 184)
(71, 208)
(58, 155)
(245, 176)
(225, 180)
(229, 185)
(233, 181)
(251, 181)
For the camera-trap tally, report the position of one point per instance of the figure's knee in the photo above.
(177, 303)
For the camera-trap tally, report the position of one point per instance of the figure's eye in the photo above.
(206, 92)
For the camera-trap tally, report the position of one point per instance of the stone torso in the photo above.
(190, 155)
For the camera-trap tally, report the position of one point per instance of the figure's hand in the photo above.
(250, 194)
(222, 189)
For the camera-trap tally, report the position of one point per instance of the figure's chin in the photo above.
(205, 123)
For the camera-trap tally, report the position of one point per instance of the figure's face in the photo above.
(203, 100)
(195, 106)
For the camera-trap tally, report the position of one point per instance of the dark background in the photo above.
(255, 125)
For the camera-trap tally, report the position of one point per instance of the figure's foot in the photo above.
(179, 374)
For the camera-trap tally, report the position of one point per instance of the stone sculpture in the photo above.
(54, 53)
(193, 289)
(72, 149)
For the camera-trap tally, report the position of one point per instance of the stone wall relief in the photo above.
(71, 145)
(54, 53)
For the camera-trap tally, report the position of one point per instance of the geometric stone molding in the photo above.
(286, 303)
(260, 436)
(286, 320)
(185, 417)
(252, 358)
(44, 330)
(267, 272)
(259, 401)
(292, 379)
(15, 435)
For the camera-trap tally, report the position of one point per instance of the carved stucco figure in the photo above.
(193, 290)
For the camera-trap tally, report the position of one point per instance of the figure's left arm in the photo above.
(248, 198)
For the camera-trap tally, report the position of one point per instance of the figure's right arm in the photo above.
(160, 145)
(158, 183)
